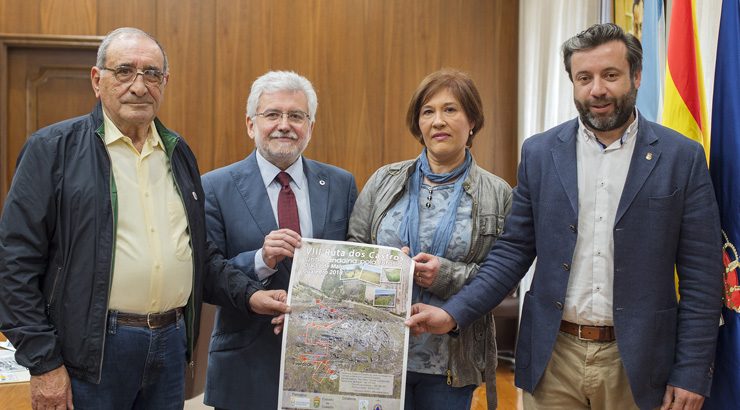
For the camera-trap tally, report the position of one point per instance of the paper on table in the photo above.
(7, 345)
(10, 370)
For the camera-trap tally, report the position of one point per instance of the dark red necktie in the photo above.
(287, 206)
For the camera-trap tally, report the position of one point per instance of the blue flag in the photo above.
(649, 99)
(724, 164)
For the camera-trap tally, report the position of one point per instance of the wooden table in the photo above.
(15, 396)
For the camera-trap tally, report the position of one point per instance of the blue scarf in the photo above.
(408, 231)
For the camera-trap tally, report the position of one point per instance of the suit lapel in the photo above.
(248, 182)
(318, 192)
(564, 159)
(643, 161)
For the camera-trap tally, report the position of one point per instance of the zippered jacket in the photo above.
(57, 243)
(472, 355)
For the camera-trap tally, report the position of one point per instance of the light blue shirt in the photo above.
(430, 353)
(299, 185)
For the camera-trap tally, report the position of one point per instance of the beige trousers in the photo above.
(582, 375)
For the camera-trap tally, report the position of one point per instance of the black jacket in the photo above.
(57, 242)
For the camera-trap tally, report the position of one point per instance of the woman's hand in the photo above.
(426, 268)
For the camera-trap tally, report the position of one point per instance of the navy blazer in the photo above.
(244, 354)
(667, 215)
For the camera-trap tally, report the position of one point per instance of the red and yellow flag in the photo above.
(684, 108)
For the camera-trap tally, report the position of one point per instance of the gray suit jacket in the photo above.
(667, 215)
(244, 354)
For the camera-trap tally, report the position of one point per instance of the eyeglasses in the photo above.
(126, 74)
(294, 117)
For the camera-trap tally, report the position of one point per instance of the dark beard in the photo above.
(623, 109)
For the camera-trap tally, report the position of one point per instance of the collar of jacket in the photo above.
(169, 138)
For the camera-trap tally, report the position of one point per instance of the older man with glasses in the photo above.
(104, 261)
(257, 211)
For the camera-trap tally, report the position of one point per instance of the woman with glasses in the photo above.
(447, 211)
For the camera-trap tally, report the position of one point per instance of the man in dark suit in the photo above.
(608, 203)
(257, 210)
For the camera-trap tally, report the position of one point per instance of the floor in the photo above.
(509, 397)
(196, 403)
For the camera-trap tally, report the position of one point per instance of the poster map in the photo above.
(344, 342)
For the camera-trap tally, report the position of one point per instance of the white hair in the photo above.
(123, 32)
(275, 81)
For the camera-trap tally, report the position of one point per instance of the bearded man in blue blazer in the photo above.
(257, 211)
(609, 203)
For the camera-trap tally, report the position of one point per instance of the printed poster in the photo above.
(345, 343)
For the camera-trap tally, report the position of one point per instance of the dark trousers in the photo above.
(431, 392)
(142, 369)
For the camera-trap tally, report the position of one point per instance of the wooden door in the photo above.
(45, 79)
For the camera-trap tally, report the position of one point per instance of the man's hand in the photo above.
(426, 267)
(676, 398)
(271, 302)
(429, 319)
(279, 245)
(278, 321)
(52, 390)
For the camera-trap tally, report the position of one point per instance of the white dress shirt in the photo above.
(602, 172)
(299, 185)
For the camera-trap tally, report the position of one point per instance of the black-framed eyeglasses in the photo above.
(294, 117)
(126, 74)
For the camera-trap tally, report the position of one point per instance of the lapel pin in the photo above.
(322, 182)
(649, 156)
(195, 196)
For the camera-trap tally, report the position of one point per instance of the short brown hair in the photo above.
(460, 85)
(599, 34)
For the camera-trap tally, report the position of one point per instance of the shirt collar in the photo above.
(113, 134)
(629, 133)
(269, 171)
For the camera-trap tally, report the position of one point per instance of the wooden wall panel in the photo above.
(76, 17)
(364, 57)
(20, 16)
(481, 68)
(187, 31)
(347, 112)
(113, 14)
(362, 133)
(501, 67)
(243, 49)
(473, 40)
(412, 39)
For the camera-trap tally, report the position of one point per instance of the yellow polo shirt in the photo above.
(153, 270)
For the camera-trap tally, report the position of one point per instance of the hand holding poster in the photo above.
(345, 342)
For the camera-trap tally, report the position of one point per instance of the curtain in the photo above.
(545, 92)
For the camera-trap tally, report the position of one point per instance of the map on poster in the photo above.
(344, 342)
